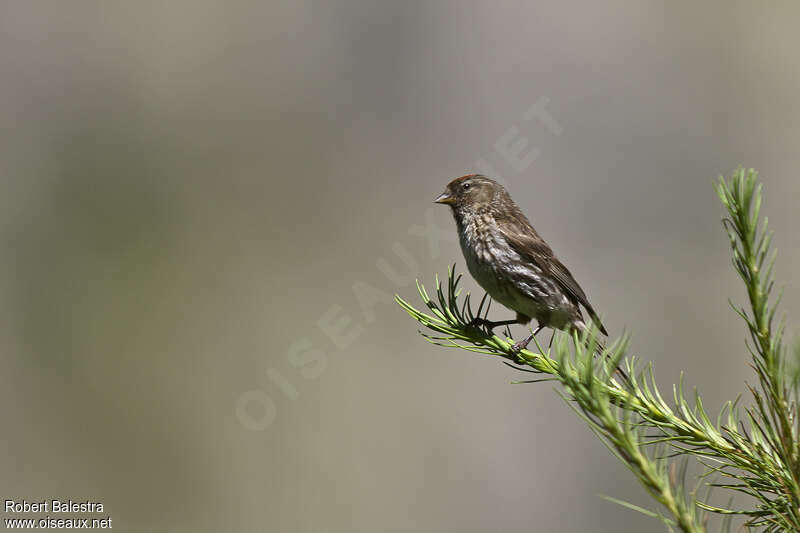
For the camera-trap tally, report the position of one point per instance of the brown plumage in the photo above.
(509, 259)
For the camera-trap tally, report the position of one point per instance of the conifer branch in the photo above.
(756, 453)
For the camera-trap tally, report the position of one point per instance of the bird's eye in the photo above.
(466, 186)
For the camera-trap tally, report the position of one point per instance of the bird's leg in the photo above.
(488, 324)
(478, 321)
(521, 345)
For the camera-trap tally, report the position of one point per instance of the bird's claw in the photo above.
(477, 323)
(518, 346)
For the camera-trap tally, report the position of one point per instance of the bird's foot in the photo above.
(521, 345)
(478, 323)
(518, 346)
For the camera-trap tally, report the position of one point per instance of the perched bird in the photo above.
(511, 261)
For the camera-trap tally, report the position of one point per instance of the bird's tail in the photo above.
(596, 319)
(600, 347)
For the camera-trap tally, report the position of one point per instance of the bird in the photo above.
(511, 261)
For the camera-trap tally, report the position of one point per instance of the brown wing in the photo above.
(521, 236)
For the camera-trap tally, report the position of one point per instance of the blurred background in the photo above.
(206, 207)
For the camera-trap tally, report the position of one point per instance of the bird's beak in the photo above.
(444, 198)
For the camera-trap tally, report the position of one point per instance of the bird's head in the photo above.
(473, 192)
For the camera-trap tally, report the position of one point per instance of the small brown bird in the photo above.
(511, 261)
